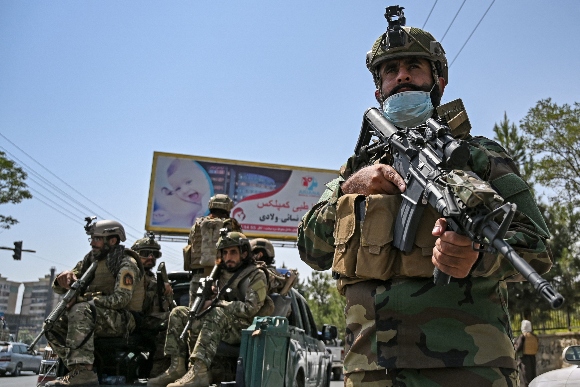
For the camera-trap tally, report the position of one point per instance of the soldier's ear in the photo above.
(442, 84)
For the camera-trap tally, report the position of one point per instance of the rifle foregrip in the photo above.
(440, 278)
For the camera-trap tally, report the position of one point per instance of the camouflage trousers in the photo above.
(72, 335)
(205, 335)
(435, 377)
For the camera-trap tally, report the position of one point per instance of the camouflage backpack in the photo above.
(201, 248)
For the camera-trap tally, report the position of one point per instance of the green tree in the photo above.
(12, 187)
(326, 304)
(25, 336)
(508, 136)
(552, 135)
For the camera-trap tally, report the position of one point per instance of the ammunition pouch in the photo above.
(363, 241)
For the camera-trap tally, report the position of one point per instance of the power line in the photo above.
(68, 185)
(454, 17)
(430, 12)
(480, 20)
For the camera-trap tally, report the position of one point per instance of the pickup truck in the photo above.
(283, 350)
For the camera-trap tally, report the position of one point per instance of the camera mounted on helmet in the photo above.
(394, 36)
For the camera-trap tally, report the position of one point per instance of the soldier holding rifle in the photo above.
(158, 299)
(402, 329)
(239, 293)
(105, 308)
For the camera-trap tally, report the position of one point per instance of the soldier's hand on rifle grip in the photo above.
(375, 179)
(453, 253)
(66, 279)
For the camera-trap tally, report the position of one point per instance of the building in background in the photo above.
(38, 300)
(8, 295)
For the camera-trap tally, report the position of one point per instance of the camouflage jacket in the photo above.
(123, 275)
(417, 324)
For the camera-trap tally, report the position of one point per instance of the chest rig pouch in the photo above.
(363, 236)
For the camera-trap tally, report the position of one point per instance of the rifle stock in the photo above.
(431, 161)
(77, 287)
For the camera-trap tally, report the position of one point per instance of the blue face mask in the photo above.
(408, 108)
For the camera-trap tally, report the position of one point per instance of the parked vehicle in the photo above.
(336, 348)
(15, 358)
(568, 376)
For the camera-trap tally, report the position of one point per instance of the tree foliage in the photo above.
(552, 136)
(546, 148)
(507, 135)
(12, 187)
(326, 304)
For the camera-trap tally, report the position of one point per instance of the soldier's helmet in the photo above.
(222, 202)
(147, 243)
(401, 41)
(233, 238)
(107, 228)
(263, 244)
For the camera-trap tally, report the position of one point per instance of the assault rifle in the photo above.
(432, 163)
(162, 279)
(76, 288)
(204, 292)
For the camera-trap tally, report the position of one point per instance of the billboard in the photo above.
(269, 200)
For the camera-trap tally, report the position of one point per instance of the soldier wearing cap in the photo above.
(240, 294)
(158, 301)
(107, 308)
(401, 329)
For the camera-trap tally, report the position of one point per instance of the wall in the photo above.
(549, 356)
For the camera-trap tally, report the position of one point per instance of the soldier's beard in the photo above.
(102, 252)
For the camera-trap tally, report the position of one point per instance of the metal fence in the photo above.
(549, 321)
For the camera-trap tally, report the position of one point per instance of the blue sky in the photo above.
(90, 89)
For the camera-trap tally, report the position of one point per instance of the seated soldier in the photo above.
(240, 294)
(263, 252)
(106, 309)
(158, 301)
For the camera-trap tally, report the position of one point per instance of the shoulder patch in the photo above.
(127, 279)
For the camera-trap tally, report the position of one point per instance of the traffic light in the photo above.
(17, 250)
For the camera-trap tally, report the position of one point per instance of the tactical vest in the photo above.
(236, 291)
(530, 344)
(104, 282)
(363, 249)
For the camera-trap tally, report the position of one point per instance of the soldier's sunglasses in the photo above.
(146, 253)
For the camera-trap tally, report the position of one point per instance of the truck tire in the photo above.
(299, 379)
(18, 370)
(336, 374)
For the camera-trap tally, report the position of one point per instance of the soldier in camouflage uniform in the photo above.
(401, 329)
(158, 301)
(240, 295)
(263, 252)
(200, 253)
(106, 307)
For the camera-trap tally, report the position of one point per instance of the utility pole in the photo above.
(17, 249)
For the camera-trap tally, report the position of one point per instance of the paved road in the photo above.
(27, 379)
